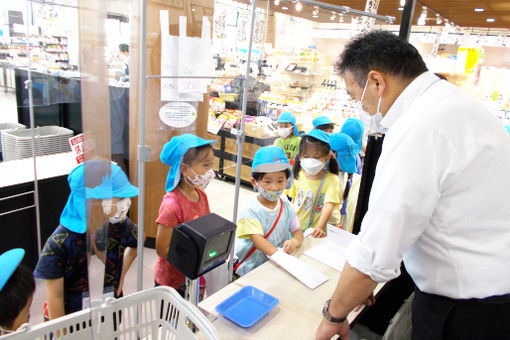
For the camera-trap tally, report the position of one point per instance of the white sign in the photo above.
(178, 114)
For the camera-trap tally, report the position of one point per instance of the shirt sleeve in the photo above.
(399, 210)
(248, 226)
(52, 262)
(168, 213)
(131, 234)
(332, 189)
(294, 224)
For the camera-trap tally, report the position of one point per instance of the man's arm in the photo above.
(353, 289)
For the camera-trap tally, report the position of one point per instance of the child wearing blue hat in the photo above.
(289, 135)
(268, 221)
(17, 287)
(315, 191)
(63, 260)
(355, 129)
(346, 152)
(190, 159)
(323, 123)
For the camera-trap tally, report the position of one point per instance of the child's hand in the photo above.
(318, 233)
(289, 246)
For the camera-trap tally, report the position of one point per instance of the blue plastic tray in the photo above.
(247, 306)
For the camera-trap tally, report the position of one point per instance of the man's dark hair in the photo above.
(124, 47)
(382, 51)
(14, 296)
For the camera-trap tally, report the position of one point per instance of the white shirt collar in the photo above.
(406, 98)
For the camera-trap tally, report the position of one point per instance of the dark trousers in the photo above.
(437, 317)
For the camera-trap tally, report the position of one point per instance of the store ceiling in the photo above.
(460, 12)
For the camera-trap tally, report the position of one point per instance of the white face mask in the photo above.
(284, 132)
(373, 123)
(312, 166)
(122, 209)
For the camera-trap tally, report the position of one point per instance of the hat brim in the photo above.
(127, 191)
(271, 167)
(9, 261)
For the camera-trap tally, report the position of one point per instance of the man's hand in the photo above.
(327, 329)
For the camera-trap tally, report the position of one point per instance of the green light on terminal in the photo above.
(212, 253)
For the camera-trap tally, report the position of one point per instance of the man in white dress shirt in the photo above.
(439, 199)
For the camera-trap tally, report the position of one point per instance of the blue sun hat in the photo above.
(288, 117)
(172, 154)
(9, 261)
(355, 129)
(320, 135)
(115, 185)
(271, 159)
(321, 120)
(99, 179)
(345, 149)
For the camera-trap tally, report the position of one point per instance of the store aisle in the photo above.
(221, 200)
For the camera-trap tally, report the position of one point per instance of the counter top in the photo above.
(22, 170)
(299, 310)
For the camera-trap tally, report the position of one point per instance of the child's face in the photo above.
(285, 125)
(23, 316)
(200, 166)
(274, 181)
(314, 151)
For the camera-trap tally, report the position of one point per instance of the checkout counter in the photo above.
(299, 311)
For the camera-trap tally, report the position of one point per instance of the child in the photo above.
(63, 260)
(191, 160)
(316, 188)
(323, 123)
(17, 288)
(289, 135)
(346, 152)
(268, 221)
(355, 129)
(118, 237)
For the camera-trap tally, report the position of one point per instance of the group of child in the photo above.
(313, 170)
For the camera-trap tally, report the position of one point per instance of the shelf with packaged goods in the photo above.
(225, 152)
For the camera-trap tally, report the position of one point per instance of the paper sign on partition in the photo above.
(185, 56)
(332, 252)
(311, 277)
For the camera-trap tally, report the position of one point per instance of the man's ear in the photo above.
(379, 80)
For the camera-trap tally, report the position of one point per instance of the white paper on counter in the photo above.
(309, 276)
(332, 252)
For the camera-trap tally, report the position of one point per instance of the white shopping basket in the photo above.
(155, 314)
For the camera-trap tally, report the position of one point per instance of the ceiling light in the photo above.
(340, 17)
(298, 6)
(315, 12)
(401, 8)
(276, 2)
(491, 20)
(333, 16)
(402, 3)
(285, 8)
(438, 20)
(421, 21)
(479, 9)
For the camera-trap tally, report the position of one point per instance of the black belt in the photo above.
(496, 299)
